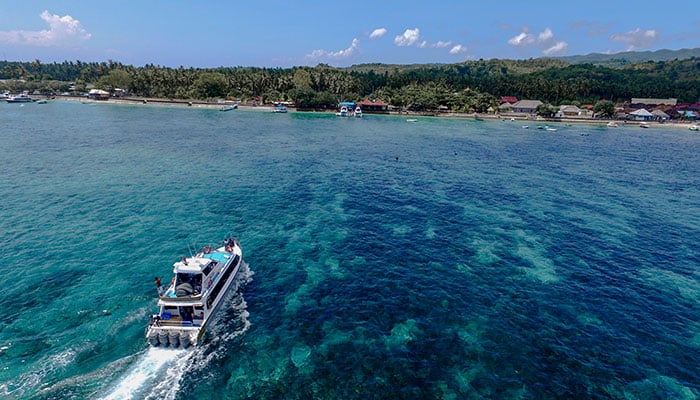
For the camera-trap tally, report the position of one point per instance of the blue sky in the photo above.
(271, 33)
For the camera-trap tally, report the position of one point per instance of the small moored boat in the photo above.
(343, 112)
(358, 112)
(20, 98)
(279, 109)
(229, 108)
(612, 124)
(694, 128)
(198, 287)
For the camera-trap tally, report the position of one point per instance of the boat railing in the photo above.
(181, 299)
(176, 322)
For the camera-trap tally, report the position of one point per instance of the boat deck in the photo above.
(177, 322)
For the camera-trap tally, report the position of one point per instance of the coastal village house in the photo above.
(659, 115)
(505, 108)
(644, 102)
(373, 106)
(641, 115)
(568, 111)
(98, 94)
(526, 106)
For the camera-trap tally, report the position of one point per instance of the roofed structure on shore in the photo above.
(688, 106)
(508, 99)
(653, 102)
(569, 110)
(659, 114)
(526, 106)
(98, 94)
(375, 105)
(505, 107)
(641, 115)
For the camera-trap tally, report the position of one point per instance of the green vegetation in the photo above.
(632, 57)
(545, 110)
(471, 86)
(604, 109)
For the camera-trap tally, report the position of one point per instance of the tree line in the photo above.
(471, 86)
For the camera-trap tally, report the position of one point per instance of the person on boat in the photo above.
(159, 286)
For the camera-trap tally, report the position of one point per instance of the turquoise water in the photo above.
(439, 259)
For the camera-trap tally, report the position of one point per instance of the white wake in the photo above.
(158, 371)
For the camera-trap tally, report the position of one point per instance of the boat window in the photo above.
(208, 268)
(187, 313)
(170, 307)
(197, 283)
(182, 278)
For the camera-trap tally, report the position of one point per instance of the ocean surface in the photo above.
(441, 259)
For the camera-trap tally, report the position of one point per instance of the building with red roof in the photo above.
(375, 106)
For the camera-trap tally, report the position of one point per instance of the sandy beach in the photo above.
(511, 117)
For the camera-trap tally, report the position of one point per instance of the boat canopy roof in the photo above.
(196, 264)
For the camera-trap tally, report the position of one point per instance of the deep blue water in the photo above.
(444, 258)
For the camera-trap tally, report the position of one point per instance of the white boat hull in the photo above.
(184, 316)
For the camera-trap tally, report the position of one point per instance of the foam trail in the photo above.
(150, 368)
(157, 373)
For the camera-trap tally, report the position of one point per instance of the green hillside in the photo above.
(632, 57)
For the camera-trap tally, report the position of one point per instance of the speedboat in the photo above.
(197, 289)
(612, 124)
(694, 128)
(229, 108)
(358, 112)
(279, 109)
(343, 112)
(411, 120)
(20, 98)
(643, 124)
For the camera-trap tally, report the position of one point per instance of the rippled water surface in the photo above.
(443, 258)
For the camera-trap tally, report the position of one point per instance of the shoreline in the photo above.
(510, 117)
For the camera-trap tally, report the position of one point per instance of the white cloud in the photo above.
(440, 44)
(377, 33)
(636, 39)
(408, 38)
(523, 39)
(62, 31)
(411, 37)
(345, 53)
(558, 48)
(458, 49)
(544, 40)
(545, 35)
